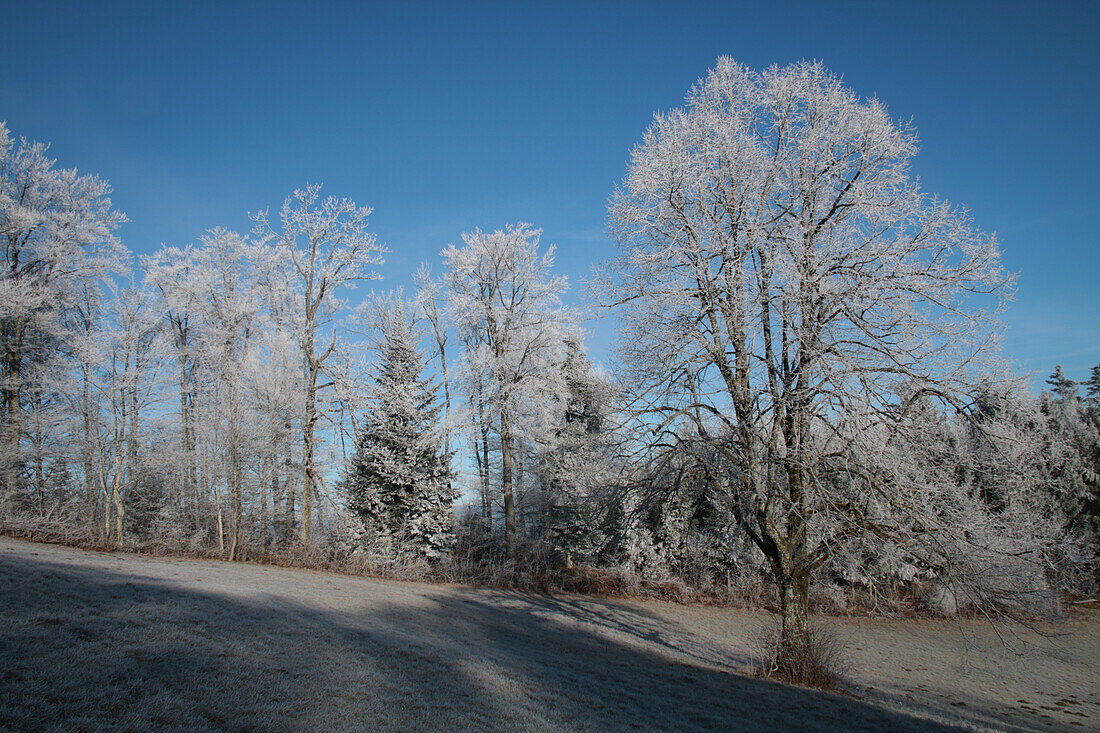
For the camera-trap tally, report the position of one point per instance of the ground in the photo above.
(97, 641)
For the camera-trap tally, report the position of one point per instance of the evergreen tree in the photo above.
(573, 468)
(583, 409)
(1062, 386)
(1073, 459)
(1092, 384)
(397, 483)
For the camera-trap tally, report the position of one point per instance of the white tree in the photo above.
(579, 470)
(507, 306)
(398, 482)
(128, 380)
(783, 274)
(429, 302)
(57, 229)
(279, 390)
(170, 272)
(328, 247)
(85, 338)
(226, 302)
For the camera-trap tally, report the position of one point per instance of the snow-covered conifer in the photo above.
(397, 484)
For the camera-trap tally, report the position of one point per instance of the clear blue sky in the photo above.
(444, 117)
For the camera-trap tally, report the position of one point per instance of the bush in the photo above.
(818, 663)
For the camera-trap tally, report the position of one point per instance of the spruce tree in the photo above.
(573, 466)
(1092, 384)
(1062, 386)
(397, 482)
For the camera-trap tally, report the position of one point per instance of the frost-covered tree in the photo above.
(506, 303)
(279, 391)
(128, 377)
(211, 303)
(170, 273)
(398, 482)
(326, 245)
(1092, 394)
(579, 467)
(778, 256)
(1064, 388)
(226, 303)
(1071, 454)
(57, 229)
(85, 328)
(429, 302)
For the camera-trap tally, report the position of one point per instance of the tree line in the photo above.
(806, 388)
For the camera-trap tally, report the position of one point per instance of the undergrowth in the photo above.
(817, 662)
(480, 566)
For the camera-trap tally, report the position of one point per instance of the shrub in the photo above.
(819, 662)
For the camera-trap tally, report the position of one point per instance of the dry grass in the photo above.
(96, 641)
(535, 573)
(479, 566)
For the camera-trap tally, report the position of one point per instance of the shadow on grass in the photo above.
(87, 649)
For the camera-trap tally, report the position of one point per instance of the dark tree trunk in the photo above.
(794, 601)
(506, 486)
(13, 410)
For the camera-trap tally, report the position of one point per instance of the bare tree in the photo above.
(782, 277)
(170, 271)
(57, 232)
(225, 298)
(327, 245)
(429, 301)
(506, 303)
(129, 373)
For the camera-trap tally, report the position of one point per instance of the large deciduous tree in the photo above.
(57, 230)
(507, 306)
(783, 280)
(328, 247)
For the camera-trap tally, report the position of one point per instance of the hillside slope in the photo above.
(100, 641)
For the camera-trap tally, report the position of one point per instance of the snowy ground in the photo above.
(94, 641)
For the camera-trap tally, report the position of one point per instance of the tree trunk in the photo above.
(794, 601)
(120, 511)
(486, 490)
(268, 465)
(288, 507)
(236, 472)
(106, 536)
(221, 525)
(13, 412)
(121, 467)
(39, 453)
(236, 504)
(191, 491)
(309, 471)
(506, 486)
(481, 453)
(90, 495)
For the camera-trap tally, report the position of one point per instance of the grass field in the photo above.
(96, 641)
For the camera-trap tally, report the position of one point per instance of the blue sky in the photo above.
(446, 117)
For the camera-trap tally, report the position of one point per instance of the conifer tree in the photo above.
(397, 483)
(1092, 384)
(1064, 387)
(576, 465)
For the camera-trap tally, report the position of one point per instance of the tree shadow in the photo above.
(628, 621)
(90, 649)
